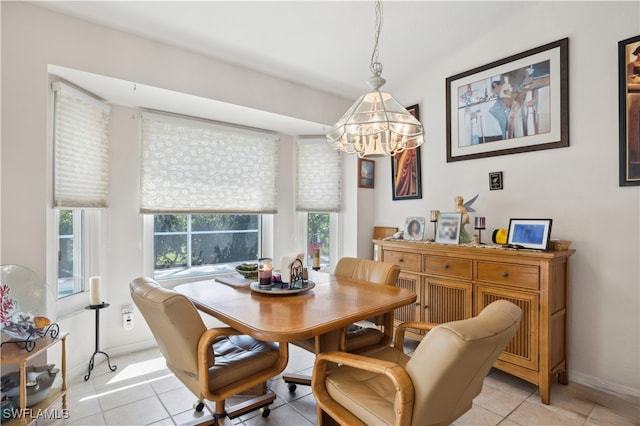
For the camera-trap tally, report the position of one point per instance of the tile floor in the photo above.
(143, 392)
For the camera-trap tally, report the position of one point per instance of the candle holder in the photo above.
(479, 226)
(435, 215)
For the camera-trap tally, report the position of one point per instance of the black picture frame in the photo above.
(629, 111)
(513, 105)
(406, 170)
(495, 181)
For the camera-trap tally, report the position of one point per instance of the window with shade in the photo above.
(81, 179)
(207, 199)
(318, 196)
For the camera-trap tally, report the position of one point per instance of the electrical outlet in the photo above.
(127, 317)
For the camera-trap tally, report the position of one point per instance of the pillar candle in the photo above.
(316, 258)
(94, 291)
(480, 222)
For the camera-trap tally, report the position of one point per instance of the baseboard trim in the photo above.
(625, 393)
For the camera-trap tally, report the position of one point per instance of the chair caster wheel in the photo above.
(265, 411)
(292, 387)
(198, 406)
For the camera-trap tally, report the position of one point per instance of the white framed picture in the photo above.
(414, 228)
(448, 228)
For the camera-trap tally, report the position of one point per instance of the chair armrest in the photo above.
(398, 376)
(206, 352)
(402, 328)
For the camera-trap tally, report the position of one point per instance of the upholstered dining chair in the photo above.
(434, 386)
(366, 335)
(214, 363)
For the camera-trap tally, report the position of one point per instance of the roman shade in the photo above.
(81, 149)
(319, 176)
(192, 166)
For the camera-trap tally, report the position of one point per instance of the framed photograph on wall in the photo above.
(366, 173)
(414, 228)
(516, 104)
(529, 233)
(629, 110)
(406, 173)
(448, 231)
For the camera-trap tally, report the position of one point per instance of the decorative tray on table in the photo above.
(283, 288)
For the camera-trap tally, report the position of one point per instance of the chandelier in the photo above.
(376, 124)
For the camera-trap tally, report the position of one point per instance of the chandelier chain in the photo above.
(376, 65)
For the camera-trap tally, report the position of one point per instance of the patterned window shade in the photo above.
(81, 149)
(319, 176)
(190, 166)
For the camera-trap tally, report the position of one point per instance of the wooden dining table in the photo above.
(325, 310)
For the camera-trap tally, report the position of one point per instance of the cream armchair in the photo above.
(368, 335)
(213, 363)
(433, 387)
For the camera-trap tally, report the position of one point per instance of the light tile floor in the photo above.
(143, 392)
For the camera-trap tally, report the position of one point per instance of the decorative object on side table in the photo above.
(479, 226)
(464, 209)
(529, 233)
(26, 307)
(414, 228)
(449, 228)
(435, 214)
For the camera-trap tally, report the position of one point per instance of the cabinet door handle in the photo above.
(426, 306)
(417, 304)
(400, 260)
(446, 266)
(504, 274)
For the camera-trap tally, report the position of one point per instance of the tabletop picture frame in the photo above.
(529, 233)
(449, 225)
(513, 105)
(406, 170)
(629, 111)
(366, 173)
(414, 228)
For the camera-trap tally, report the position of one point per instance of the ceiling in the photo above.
(323, 44)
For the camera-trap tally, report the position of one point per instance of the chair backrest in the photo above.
(368, 270)
(449, 365)
(174, 322)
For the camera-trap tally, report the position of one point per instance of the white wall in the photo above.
(33, 38)
(576, 186)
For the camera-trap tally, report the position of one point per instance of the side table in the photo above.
(97, 350)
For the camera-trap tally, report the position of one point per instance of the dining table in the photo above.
(325, 310)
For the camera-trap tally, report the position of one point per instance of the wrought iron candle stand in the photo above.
(98, 351)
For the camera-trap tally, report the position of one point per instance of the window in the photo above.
(203, 244)
(70, 262)
(81, 184)
(318, 237)
(318, 194)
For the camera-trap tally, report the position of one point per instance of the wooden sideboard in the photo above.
(456, 282)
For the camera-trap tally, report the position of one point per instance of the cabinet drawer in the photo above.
(406, 261)
(525, 276)
(448, 267)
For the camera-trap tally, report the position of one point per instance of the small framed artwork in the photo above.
(516, 104)
(529, 233)
(366, 173)
(629, 110)
(495, 181)
(448, 231)
(406, 173)
(414, 228)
